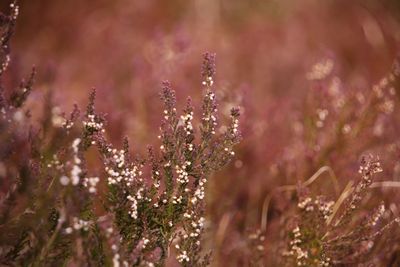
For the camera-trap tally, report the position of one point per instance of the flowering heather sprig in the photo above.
(74, 116)
(208, 69)
(93, 122)
(369, 167)
(7, 26)
(18, 97)
(209, 119)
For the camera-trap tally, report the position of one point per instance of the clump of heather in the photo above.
(334, 126)
(165, 214)
(56, 209)
(335, 233)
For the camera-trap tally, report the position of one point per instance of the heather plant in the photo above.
(139, 211)
(169, 211)
(324, 234)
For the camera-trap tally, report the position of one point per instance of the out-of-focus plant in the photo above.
(141, 211)
(324, 234)
(335, 124)
(321, 232)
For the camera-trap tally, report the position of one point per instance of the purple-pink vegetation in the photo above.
(312, 101)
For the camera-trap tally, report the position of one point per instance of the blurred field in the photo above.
(265, 53)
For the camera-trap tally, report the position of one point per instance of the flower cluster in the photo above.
(76, 170)
(295, 249)
(321, 70)
(91, 183)
(117, 170)
(183, 176)
(93, 124)
(78, 224)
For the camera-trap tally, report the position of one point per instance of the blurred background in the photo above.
(275, 59)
